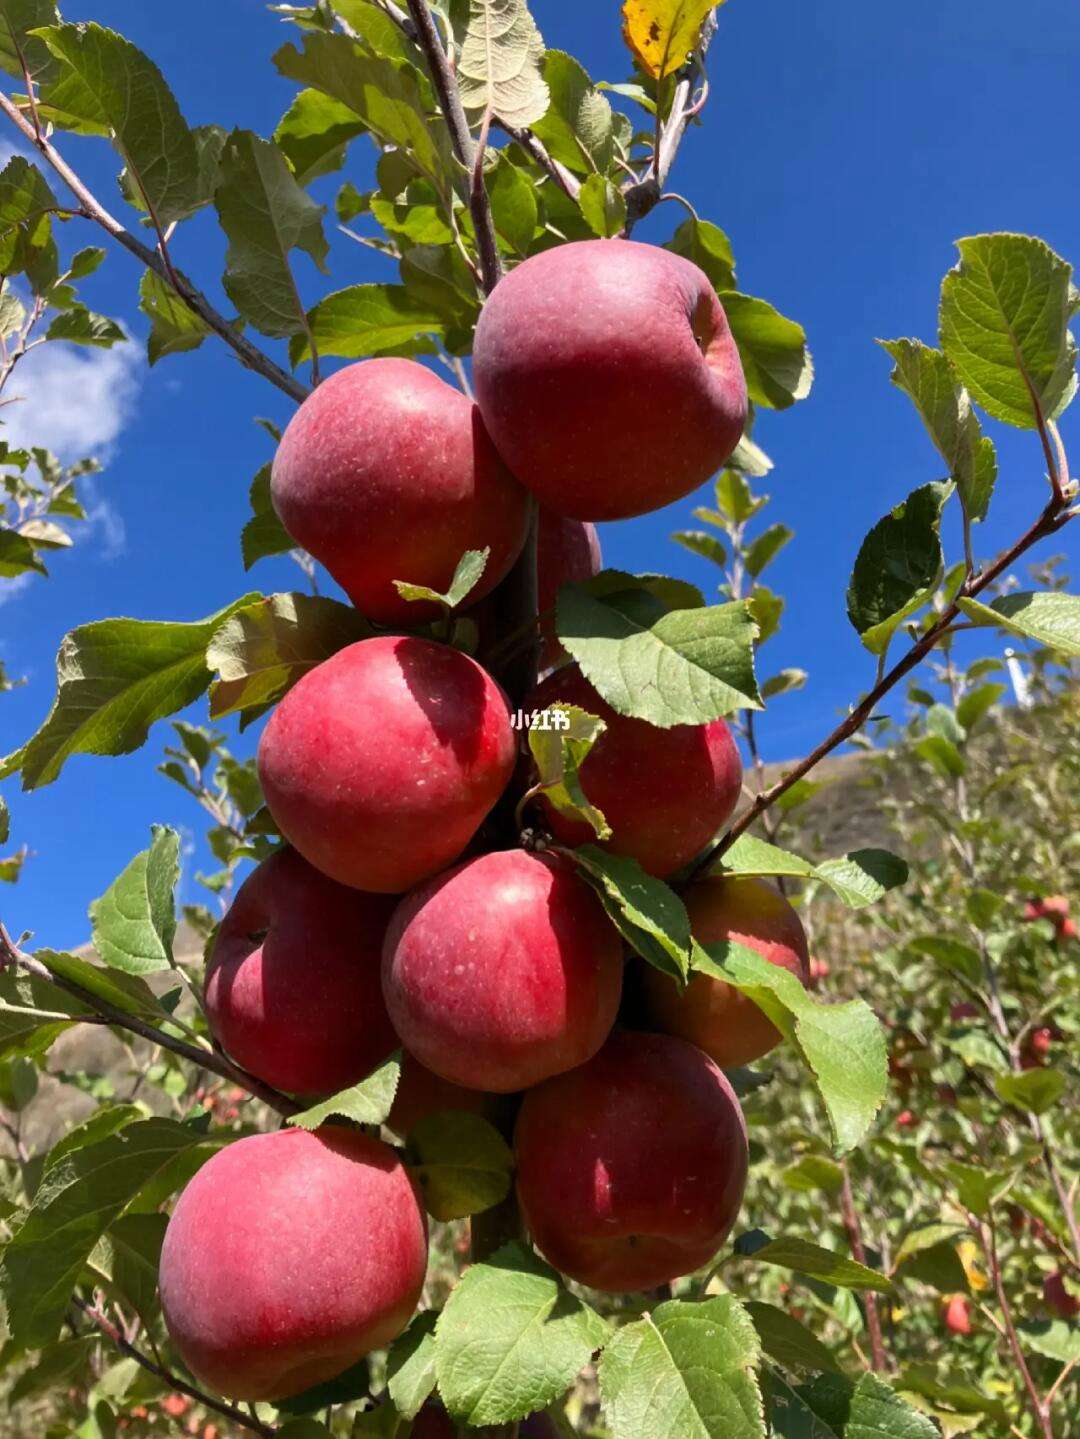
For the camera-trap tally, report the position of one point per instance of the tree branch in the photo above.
(988, 1239)
(249, 355)
(1053, 517)
(105, 1326)
(644, 194)
(427, 37)
(211, 1059)
(858, 1252)
(566, 181)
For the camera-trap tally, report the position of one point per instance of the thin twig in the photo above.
(211, 1059)
(564, 178)
(106, 1327)
(858, 1252)
(1049, 521)
(644, 194)
(250, 355)
(988, 1240)
(427, 37)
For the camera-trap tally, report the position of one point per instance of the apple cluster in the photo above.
(607, 384)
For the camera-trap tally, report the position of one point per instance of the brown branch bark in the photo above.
(1053, 517)
(211, 1059)
(427, 37)
(249, 355)
(105, 1326)
(988, 1239)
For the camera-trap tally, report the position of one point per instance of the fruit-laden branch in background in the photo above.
(155, 260)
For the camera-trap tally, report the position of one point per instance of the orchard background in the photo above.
(906, 1260)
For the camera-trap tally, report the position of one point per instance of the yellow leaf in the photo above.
(661, 33)
(969, 1253)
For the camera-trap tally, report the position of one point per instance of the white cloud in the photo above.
(76, 403)
(9, 589)
(7, 151)
(72, 401)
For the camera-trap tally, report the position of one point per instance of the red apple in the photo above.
(380, 764)
(631, 1169)
(503, 971)
(420, 1093)
(956, 1314)
(293, 991)
(288, 1258)
(567, 552)
(608, 378)
(1058, 1298)
(721, 1020)
(966, 1010)
(906, 1119)
(386, 473)
(664, 792)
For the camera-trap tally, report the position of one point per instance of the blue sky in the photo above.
(845, 147)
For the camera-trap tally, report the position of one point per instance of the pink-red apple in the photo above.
(503, 971)
(709, 1012)
(386, 473)
(1058, 1298)
(567, 552)
(631, 1169)
(664, 792)
(288, 1258)
(956, 1314)
(421, 1093)
(380, 764)
(293, 990)
(608, 378)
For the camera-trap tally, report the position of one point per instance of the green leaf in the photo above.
(928, 1236)
(603, 205)
(813, 1172)
(685, 1369)
(126, 1258)
(1005, 311)
(976, 1188)
(17, 19)
(76, 1203)
(134, 922)
(367, 320)
(25, 225)
(734, 498)
(1050, 618)
(1035, 1090)
(924, 374)
(314, 132)
(108, 87)
(174, 328)
(264, 534)
(266, 215)
(511, 1339)
(766, 547)
(648, 914)
(461, 1163)
(559, 750)
(385, 93)
(700, 542)
(860, 878)
(514, 207)
(976, 703)
(783, 683)
(410, 1366)
(577, 126)
(33, 1013)
(1053, 1338)
(668, 667)
(898, 566)
(368, 1102)
(789, 1342)
(941, 720)
(345, 1388)
(80, 326)
(843, 1044)
(709, 248)
(115, 678)
(61, 1366)
(124, 991)
(775, 358)
(466, 577)
(812, 1259)
(262, 649)
(498, 63)
(950, 953)
(18, 555)
(941, 754)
